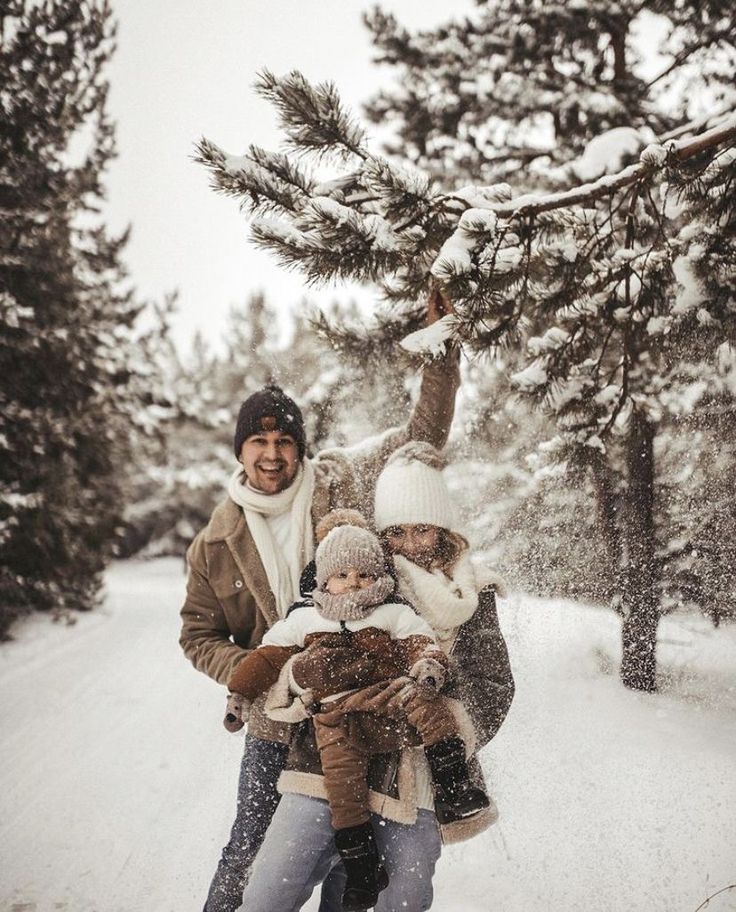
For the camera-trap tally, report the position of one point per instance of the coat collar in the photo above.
(227, 516)
(224, 522)
(227, 524)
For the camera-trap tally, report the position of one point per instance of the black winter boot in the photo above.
(366, 876)
(455, 795)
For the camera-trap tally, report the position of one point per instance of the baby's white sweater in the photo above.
(398, 620)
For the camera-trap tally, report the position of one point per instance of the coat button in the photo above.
(238, 584)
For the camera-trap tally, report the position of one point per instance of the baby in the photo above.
(357, 635)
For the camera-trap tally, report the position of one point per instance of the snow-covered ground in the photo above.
(117, 780)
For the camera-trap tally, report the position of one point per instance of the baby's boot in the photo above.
(455, 795)
(366, 876)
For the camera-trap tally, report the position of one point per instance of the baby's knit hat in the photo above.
(411, 489)
(346, 547)
(342, 516)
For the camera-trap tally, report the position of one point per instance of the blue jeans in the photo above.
(299, 852)
(257, 800)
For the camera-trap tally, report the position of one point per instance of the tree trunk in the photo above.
(608, 513)
(641, 591)
(618, 43)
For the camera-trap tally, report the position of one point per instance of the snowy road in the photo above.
(117, 780)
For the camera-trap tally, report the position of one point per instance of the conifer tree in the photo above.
(546, 95)
(72, 387)
(604, 289)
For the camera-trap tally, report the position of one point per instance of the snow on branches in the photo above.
(514, 89)
(614, 271)
(362, 223)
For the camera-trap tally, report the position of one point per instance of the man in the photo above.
(244, 567)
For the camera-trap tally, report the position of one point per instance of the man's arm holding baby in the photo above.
(259, 670)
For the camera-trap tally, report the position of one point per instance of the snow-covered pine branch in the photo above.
(608, 269)
(263, 181)
(623, 289)
(353, 338)
(402, 192)
(652, 158)
(380, 222)
(368, 222)
(312, 117)
(558, 248)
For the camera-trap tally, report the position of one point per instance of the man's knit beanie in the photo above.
(269, 409)
(411, 490)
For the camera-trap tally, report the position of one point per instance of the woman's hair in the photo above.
(449, 548)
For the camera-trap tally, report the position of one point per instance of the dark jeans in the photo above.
(257, 801)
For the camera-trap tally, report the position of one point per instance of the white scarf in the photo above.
(282, 569)
(445, 603)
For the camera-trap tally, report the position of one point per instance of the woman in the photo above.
(414, 515)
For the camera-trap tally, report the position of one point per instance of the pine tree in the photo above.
(521, 87)
(70, 393)
(603, 290)
(528, 518)
(544, 95)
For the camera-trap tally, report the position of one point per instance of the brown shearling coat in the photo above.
(229, 604)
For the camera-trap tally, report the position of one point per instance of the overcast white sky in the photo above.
(184, 69)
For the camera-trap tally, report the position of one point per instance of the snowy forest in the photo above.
(572, 211)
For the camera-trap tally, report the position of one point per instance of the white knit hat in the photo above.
(411, 489)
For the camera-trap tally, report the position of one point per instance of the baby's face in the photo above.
(349, 580)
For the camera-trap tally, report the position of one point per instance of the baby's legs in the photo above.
(345, 768)
(456, 796)
(346, 736)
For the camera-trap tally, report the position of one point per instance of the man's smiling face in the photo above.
(270, 460)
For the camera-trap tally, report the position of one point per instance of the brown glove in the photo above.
(385, 697)
(236, 712)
